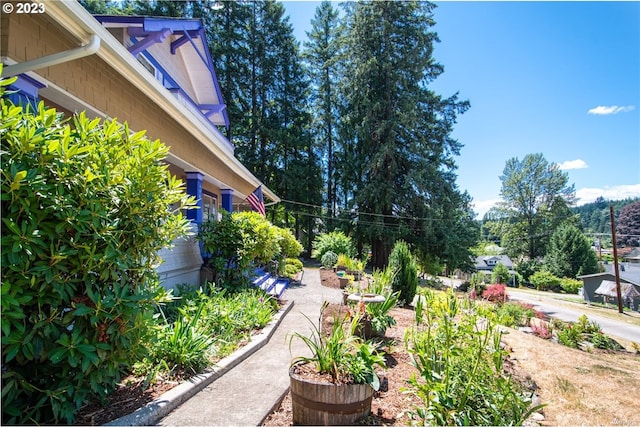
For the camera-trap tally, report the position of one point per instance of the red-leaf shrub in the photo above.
(541, 329)
(495, 293)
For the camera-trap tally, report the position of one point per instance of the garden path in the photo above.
(249, 392)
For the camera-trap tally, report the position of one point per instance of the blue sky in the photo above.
(558, 78)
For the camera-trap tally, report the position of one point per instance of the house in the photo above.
(486, 263)
(601, 287)
(154, 73)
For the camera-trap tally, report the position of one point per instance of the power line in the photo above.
(362, 213)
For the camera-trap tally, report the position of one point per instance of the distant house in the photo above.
(489, 262)
(154, 73)
(486, 263)
(601, 287)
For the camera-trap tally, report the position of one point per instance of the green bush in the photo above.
(223, 241)
(261, 238)
(292, 267)
(86, 205)
(289, 247)
(405, 271)
(329, 259)
(570, 286)
(515, 314)
(336, 242)
(240, 240)
(545, 281)
(500, 274)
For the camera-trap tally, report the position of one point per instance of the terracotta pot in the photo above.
(328, 404)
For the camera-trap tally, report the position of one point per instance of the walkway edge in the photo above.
(155, 410)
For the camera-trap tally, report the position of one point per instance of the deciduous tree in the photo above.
(535, 199)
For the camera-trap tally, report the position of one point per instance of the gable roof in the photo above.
(487, 262)
(182, 41)
(628, 272)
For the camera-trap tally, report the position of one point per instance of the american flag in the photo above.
(256, 201)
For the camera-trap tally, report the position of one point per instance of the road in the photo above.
(570, 312)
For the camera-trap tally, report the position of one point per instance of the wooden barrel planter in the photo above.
(328, 404)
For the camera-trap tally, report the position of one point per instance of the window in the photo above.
(209, 207)
(150, 67)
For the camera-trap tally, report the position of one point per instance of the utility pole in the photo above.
(615, 258)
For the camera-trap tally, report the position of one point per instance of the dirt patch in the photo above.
(579, 388)
(329, 278)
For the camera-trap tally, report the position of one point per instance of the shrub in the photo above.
(292, 267)
(527, 268)
(329, 259)
(261, 239)
(241, 239)
(405, 272)
(86, 205)
(336, 242)
(545, 281)
(289, 246)
(500, 274)
(495, 293)
(570, 286)
(517, 314)
(541, 330)
(223, 241)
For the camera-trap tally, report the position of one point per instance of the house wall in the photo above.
(92, 80)
(590, 284)
(98, 84)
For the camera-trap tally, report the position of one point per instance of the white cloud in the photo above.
(480, 207)
(617, 192)
(602, 110)
(573, 164)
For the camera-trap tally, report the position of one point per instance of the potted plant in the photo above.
(342, 262)
(345, 280)
(379, 313)
(335, 385)
(355, 267)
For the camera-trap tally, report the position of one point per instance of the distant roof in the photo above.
(485, 262)
(608, 288)
(629, 272)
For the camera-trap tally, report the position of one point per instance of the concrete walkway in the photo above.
(246, 394)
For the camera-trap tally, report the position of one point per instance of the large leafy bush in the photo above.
(239, 241)
(545, 281)
(336, 242)
(405, 271)
(86, 205)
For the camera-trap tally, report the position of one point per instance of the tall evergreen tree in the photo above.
(322, 54)
(570, 253)
(399, 159)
